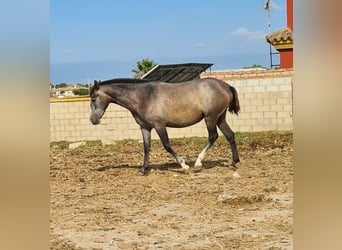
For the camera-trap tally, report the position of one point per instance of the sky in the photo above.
(98, 40)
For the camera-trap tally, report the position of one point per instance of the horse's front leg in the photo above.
(146, 133)
(161, 131)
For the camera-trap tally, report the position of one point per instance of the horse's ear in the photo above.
(96, 84)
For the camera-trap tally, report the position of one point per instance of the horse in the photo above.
(158, 105)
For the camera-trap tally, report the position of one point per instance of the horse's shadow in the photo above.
(172, 167)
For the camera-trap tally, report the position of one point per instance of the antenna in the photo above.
(267, 7)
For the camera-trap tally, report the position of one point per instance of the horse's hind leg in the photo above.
(212, 131)
(229, 134)
(161, 131)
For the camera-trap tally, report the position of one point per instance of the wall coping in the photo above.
(223, 75)
(71, 99)
(248, 74)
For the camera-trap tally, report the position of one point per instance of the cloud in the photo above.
(275, 6)
(249, 35)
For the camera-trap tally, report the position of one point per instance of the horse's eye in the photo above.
(93, 100)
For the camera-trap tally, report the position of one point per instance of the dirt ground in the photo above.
(98, 200)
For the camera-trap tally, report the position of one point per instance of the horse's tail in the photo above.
(234, 106)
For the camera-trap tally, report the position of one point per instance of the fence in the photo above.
(265, 99)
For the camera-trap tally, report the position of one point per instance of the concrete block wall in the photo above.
(69, 121)
(265, 100)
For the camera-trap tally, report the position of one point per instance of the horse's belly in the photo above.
(180, 120)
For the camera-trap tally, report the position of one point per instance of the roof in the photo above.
(280, 35)
(176, 72)
(281, 39)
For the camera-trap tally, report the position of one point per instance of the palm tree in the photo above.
(143, 67)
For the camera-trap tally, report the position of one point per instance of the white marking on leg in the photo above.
(201, 157)
(182, 163)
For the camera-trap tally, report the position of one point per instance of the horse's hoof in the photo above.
(232, 167)
(198, 164)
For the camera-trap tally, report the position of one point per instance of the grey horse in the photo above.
(157, 105)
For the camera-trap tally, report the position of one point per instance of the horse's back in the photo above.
(183, 104)
(198, 92)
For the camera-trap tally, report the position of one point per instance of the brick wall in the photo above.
(265, 100)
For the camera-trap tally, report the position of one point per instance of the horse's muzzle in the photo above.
(95, 121)
(96, 115)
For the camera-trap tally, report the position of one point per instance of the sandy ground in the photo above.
(98, 201)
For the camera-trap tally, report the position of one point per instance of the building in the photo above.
(68, 91)
(282, 40)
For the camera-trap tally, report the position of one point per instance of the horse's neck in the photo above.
(124, 95)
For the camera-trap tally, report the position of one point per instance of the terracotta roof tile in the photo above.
(284, 34)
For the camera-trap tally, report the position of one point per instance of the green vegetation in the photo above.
(60, 144)
(252, 139)
(61, 85)
(254, 66)
(81, 92)
(264, 138)
(143, 66)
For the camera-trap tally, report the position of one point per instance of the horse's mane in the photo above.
(123, 81)
(127, 83)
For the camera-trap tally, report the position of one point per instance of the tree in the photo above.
(61, 85)
(254, 66)
(81, 92)
(143, 67)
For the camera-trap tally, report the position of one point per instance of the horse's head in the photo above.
(98, 103)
